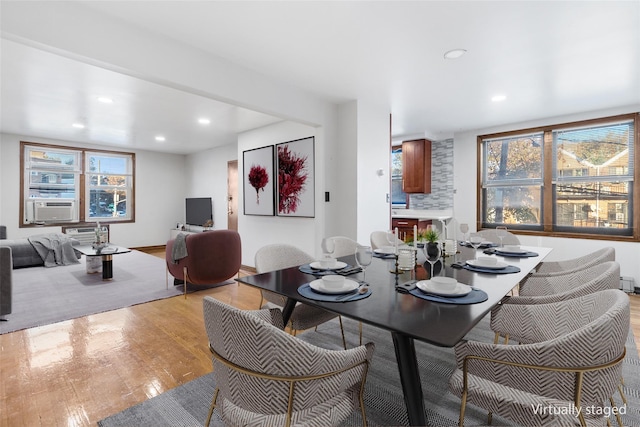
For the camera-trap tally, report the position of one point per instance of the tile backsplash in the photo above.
(441, 196)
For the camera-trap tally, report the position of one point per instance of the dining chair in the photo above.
(492, 236)
(265, 376)
(379, 239)
(276, 257)
(570, 356)
(550, 268)
(343, 246)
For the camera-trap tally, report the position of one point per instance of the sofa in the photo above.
(6, 280)
(25, 254)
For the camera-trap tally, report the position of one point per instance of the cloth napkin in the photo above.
(473, 297)
(306, 291)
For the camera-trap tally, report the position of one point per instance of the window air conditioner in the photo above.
(53, 210)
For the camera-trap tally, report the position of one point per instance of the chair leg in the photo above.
(184, 274)
(360, 330)
(489, 418)
(613, 405)
(212, 407)
(624, 398)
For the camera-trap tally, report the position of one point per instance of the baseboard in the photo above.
(150, 249)
(248, 269)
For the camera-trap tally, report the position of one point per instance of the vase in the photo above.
(432, 249)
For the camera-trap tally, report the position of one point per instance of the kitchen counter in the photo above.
(423, 214)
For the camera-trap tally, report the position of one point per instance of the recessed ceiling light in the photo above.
(160, 138)
(499, 98)
(455, 53)
(78, 125)
(105, 100)
(204, 121)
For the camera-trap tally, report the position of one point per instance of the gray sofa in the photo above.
(6, 280)
(24, 254)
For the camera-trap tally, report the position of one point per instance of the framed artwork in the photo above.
(295, 165)
(258, 181)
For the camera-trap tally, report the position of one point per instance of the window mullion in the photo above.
(547, 176)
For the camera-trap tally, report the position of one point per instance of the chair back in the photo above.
(576, 264)
(379, 239)
(213, 256)
(492, 236)
(245, 345)
(279, 256)
(344, 246)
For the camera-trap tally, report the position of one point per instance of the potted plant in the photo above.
(431, 236)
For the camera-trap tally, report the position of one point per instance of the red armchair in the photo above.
(212, 257)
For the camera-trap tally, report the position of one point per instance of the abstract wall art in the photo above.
(258, 181)
(296, 184)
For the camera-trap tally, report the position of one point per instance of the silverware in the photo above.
(362, 289)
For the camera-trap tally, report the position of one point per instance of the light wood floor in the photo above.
(77, 372)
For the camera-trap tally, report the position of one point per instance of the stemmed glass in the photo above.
(464, 229)
(328, 246)
(501, 232)
(434, 256)
(392, 238)
(364, 255)
(475, 240)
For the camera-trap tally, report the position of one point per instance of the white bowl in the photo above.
(332, 281)
(486, 260)
(512, 248)
(388, 249)
(443, 284)
(327, 262)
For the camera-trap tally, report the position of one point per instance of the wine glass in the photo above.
(464, 229)
(364, 255)
(392, 239)
(432, 253)
(328, 246)
(501, 232)
(475, 240)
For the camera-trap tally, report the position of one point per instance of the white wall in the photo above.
(258, 231)
(206, 176)
(465, 154)
(160, 191)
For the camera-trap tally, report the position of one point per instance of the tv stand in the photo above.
(194, 230)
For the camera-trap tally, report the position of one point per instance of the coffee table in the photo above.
(106, 254)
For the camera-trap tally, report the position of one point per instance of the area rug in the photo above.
(187, 405)
(42, 296)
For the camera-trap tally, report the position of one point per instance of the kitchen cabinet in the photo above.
(405, 226)
(416, 166)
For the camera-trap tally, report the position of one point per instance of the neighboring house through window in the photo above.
(571, 179)
(67, 184)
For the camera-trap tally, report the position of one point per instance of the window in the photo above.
(67, 184)
(574, 179)
(398, 197)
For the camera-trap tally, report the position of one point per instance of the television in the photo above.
(198, 210)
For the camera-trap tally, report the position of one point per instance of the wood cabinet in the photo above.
(405, 226)
(416, 166)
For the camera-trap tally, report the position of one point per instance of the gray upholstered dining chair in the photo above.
(550, 268)
(265, 376)
(278, 256)
(570, 354)
(343, 246)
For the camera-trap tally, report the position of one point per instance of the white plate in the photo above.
(337, 266)
(497, 266)
(518, 252)
(460, 290)
(348, 286)
(385, 251)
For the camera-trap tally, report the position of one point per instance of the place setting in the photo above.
(488, 264)
(337, 288)
(511, 251)
(328, 265)
(444, 290)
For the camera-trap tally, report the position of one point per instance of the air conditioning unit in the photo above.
(53, 210)
(87, 235)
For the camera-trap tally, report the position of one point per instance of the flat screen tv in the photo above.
(199, 210)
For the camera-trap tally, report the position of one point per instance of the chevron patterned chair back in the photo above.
(276, 257)
(551, 268)
(570, 357)
(344, 246)
(546, 289)
(266, 377)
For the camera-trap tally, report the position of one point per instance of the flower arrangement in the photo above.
(430, 235)
(258, 178)
(292, 177)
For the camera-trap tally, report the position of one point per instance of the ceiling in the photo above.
(549, 59)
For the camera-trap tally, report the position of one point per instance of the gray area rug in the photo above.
(42, 296)
(188, 404)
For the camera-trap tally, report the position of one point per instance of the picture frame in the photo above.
(258, 181)
(295, 166)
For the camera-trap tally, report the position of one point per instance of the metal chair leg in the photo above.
(344, 341)
(212, 407)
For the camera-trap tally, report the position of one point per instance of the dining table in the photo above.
(409, 314)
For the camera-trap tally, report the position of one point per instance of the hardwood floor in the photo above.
(76, 372)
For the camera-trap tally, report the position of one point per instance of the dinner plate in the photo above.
(460, 290)
(382, 251)
(511, 252)
(497, 266)
(347, 286)
(337, 266)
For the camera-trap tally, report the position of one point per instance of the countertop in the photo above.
(422, 214)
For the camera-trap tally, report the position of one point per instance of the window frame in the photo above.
(548, 211)
(82, 187)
